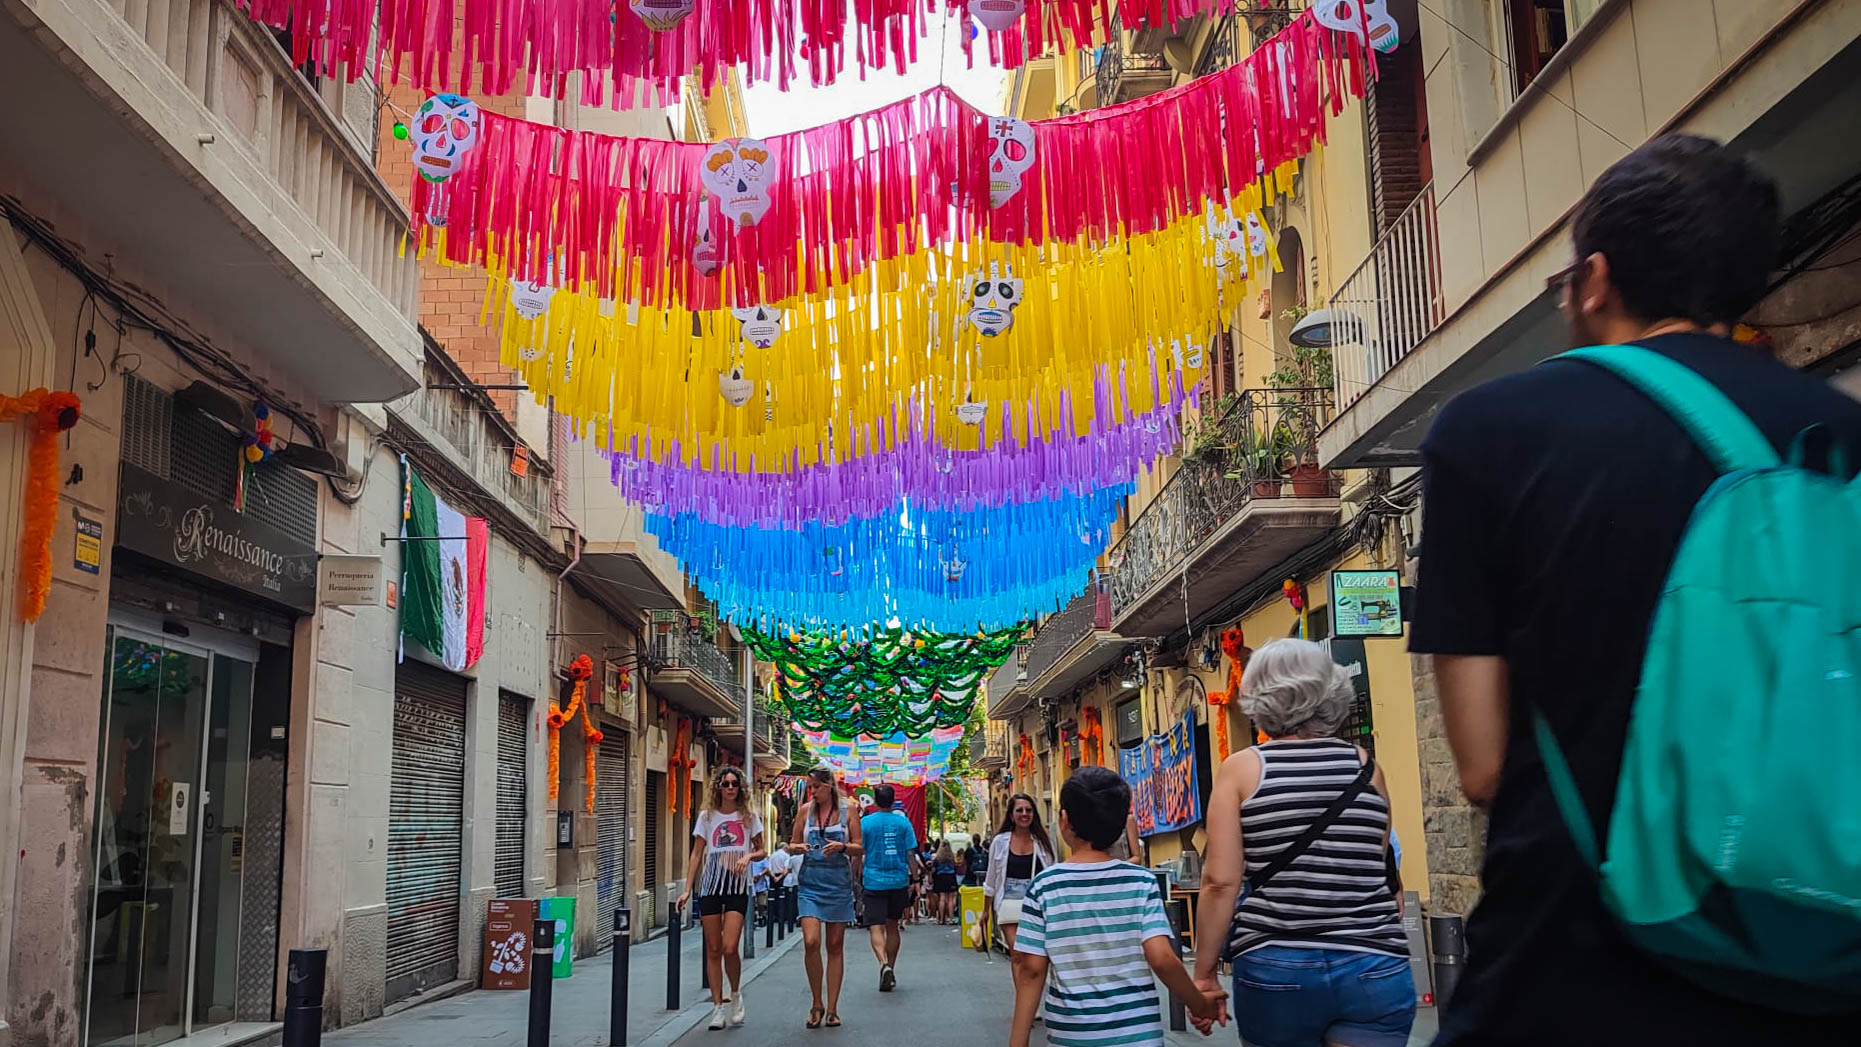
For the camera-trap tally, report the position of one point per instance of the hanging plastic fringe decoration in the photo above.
(46, 415)
(639, 56)
(880, 681)
(898, 758)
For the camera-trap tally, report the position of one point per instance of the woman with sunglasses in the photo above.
(828, 841)
(728, 839)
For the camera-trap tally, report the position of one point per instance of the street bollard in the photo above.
(1447, 940)
(794, 909)
(1179, 1019)
(617, 990)
(672, 936)
(768, 921)
(542, 981)
(303, 998)
(748, 944)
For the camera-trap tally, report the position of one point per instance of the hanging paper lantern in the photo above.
(997, 15)
(737, 172)
(530, 298)
(445, 130)
(735, 388)
(1011, 153)
(662, 15)
(971, 412)
(993, 299)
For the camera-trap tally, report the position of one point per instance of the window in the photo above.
(1539, 28)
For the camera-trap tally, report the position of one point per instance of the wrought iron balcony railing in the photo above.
(684, 650)
(1261, 445)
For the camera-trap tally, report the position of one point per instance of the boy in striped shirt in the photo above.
(1094, 928)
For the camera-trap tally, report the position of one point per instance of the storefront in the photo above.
(426, 827)
(188, 835)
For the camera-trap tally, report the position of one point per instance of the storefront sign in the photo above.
(508, 925)
(1366, 603)
(1129, 718)
(176, 526)
(349, 581)
(1165, 793)
(87, 551)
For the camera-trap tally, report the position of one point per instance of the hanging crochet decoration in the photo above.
(880, 682)
(46, 414)
(1234, 645)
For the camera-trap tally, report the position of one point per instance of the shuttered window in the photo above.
(513, 793)
(655, 804)
(610, 809)
(426, 818)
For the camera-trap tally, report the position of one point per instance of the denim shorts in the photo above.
(1286, 997)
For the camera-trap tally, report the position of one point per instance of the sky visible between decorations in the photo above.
(888, 369)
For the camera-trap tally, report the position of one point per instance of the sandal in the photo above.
(815, 1014)
(833, 1020)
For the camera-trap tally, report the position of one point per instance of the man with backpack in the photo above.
(1662, 532)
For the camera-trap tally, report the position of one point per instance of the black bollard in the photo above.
(1447, 940)
(1179, 1018)
(704, 958)
(542, 981)
(768, 921)
(794, 909)
(672, 958)
(617, 991)
(303, 998)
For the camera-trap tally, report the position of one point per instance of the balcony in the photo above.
(1008, 686)
(771, 728)
(459, 421)
(988, 751)
(1247, 495)
(173, 141)
(1125, 74)
(692, 672)
(622, 561)
(1073, 645)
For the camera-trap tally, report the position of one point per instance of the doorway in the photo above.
(188, 831)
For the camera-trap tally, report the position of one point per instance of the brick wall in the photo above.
(1455, 830)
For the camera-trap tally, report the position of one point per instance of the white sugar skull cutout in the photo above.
(997, 15)
(1194, 359)
(445, 128)
(1230, 239)
(1257, 242)
(972, 411)
(1385, 34)
(761, 325)
(992, 300)
(530, 298)
(707, 255)
(1011, 153)
(736, 171)
(662, 15)
(735, 388)
(1345, 16)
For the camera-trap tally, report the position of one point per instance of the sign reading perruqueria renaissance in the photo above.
(170, 523)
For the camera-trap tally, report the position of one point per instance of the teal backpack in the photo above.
(1734, 848)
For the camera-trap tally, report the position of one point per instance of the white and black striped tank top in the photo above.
(1335, 895)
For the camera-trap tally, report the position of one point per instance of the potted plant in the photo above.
(1260, 465)
(1308, 368)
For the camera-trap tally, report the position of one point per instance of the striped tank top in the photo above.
(1335, 895)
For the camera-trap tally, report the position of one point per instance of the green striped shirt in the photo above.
(1091, 922)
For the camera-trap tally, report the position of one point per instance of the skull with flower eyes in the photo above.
(761, 325)
(445, 128)
(992, 300)
(1011, 153)
(736, 171)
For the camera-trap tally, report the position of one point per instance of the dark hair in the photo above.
(1688, 226)
(1039, 830)
(1096, 802)
(883, 796)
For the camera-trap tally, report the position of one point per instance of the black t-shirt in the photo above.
(1553, 502)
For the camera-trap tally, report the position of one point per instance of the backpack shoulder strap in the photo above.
(1728, 437)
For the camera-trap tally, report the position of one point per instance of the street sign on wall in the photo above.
(1366, 603)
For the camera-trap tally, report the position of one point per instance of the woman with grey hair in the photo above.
(1302, 822)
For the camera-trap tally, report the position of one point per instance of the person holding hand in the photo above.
(827, 840)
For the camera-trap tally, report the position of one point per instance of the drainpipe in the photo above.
(559, 516)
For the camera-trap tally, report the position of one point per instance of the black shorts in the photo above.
(719, 904)
(886, 906)
(943, 883)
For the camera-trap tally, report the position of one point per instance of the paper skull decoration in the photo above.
(1194, 359)
(992, 300)
(1011, 153)
(761, 325)
(661, 15)
(997, 15)
(735, 388)
(445, 128)
(1230, 243)
(530, 298)
(972, 412)
(1345, 16)
(1257, 242)
(736, 171)
(1385, 34)
(707, 255)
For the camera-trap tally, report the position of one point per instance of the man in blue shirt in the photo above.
(891, 860)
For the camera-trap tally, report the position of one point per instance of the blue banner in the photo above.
(1165, 795)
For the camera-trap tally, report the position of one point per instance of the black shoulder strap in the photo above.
(1313, 831)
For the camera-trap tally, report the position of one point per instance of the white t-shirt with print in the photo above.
(727, 838)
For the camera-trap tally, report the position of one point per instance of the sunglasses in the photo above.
(1557, 282)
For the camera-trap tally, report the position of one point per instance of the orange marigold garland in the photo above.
(48, 414)
(579, 670)
(679, 763)
(1092, 737)
(1234, 645)
(1024, 760)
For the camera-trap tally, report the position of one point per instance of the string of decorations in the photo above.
(898, 758)
(639, 55)
(46, 414)
(880, 681)
(1234, 645)
(581, 670)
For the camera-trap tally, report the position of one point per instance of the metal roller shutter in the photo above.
(426, 818)
(655, 800)
(610, 810)
(513, 793)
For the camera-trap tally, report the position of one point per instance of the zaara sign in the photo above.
(169, 523)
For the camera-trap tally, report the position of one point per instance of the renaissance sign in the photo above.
(179, 527)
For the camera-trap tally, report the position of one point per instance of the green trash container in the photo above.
(562, 910)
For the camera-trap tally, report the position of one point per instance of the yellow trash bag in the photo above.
(975, 922)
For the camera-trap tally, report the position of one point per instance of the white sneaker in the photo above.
(717, 1017)
(736, 1011)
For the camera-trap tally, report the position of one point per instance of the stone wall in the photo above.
(1455, 829)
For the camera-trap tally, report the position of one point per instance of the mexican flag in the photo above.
(442, 575)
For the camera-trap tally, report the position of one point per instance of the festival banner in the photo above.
(1165, 794)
